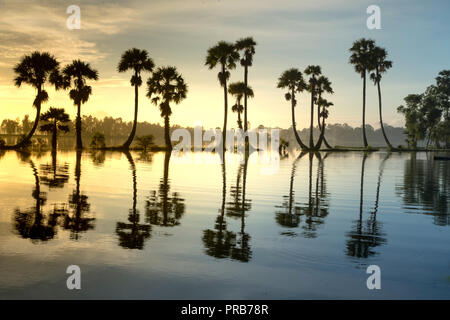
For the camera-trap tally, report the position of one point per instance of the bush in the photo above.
(98, 140)
(2, 143)
(145, 141)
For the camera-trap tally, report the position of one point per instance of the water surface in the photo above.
(150, 226)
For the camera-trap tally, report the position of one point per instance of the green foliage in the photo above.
(145, 142)
(98, 140)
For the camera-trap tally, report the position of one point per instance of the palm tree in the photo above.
(225, 54)
(381, 65)
(75, 76)
(56, 118)
(239, 90)
(323, 85)
(324, 104)
(36, 69)
(248, 46)
(292, 80)
(166, 85)
(314, 72)
(138, 61)
(360, 58)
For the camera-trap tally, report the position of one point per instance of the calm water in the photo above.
(166, 227)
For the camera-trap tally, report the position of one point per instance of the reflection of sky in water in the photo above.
(302, 235)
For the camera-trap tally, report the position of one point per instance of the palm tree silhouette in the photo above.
(138, 233)
(323, 86)
(56, 117)
(36, 69)
(77, 222)
(138, 61)
(225, 54)
(381, 65)
(314, 72)
(75, 76)
(165, 86)
(360, 58)
(247, 45)
(162, 207)
(323, 114)
(239, 90)
(292, 80)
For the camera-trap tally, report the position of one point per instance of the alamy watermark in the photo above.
(74, 20)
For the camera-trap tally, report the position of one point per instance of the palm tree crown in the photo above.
(247, 45)
(225, 54)
(138, 61)
(36, 69)
(360, 57)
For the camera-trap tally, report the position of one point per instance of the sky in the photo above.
(289, 33)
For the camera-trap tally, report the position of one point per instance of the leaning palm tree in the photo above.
(36, 69)
(292, 80)
(240, 90)
(75, 76)
(360, 58)
(56, 119)
(247, 45)
(323, 86)
(381, 65)
(138, 61)
(314, 72)
(166, 85)
(225, 55)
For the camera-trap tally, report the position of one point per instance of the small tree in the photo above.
(145, 141)
(98, 140)
(55, 119)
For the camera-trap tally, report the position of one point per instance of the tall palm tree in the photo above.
(239, 90)
(56, 119)
(138, 61)
(381, 65)
(292, 80)
(314, 72)
(75, 76)
(323, 86)
(165, 86)
(36, 69)
(225, 55)
(360, 58)
(247, 45)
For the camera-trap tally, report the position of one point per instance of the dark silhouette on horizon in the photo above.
(164, 87)
(56, 120)
(75, 76)
(138, 61)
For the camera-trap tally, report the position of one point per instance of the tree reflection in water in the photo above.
(132, 235)
(368, 234)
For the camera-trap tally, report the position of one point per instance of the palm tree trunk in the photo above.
(224, 132)
(297, 137)
(364, 112)
(127, 143)
(55, 128)
(78, 127)
(311, 138)
(322, 133)
(36, 121)
(239, 120)
(381, 116)
(245, 104)
(320, 128)
(167, 133)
